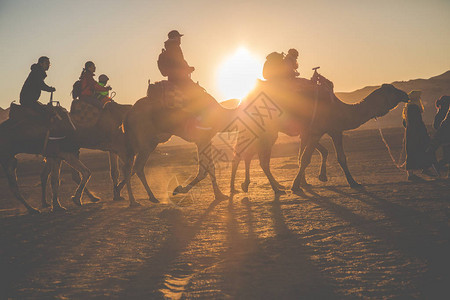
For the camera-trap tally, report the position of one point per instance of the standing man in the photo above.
(34, 84)
(171, 62)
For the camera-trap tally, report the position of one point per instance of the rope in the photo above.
(396, 163)
(316, 100)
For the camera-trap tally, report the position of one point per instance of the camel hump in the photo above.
(39, 113)
(83, 114)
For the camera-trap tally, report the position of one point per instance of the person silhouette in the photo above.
(89, 87)
(442, 135)
(34, 84)
(417, 138)
(292, 64)
(171, 62)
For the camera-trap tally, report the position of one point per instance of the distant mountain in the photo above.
(4, 113)
(432, 89)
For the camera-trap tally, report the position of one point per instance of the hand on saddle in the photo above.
(52, 89)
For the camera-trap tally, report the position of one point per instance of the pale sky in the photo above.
(355, 42)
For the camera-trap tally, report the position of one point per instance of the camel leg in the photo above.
(201, 174)
(77, 179)
(305, 160)
(55, 165)
(246, 183)
(139, 166)
(303, 144)
(123, 158)
(234, 166)
(339, 147)
(44, 178)
(323, 167)
(128, 172)
(218, 195)
(264, 154)
(10, 167)
(114, 173)
(73, 161)
(206, 165)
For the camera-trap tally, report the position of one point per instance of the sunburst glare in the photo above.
(237, 75)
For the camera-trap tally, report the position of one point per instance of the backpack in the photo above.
(162, 63)
(274, 66)
(76, 89)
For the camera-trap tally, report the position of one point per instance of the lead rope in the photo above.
(316, 94)
(396, 163)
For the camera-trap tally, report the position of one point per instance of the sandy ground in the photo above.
(389, 240)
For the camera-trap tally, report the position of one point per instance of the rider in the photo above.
(34, 84)
(275, 69)
(291, 61)
(89, 87)
(103, 80)
(172, 63)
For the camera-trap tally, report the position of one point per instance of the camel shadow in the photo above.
(267, 267)
(150, 278)
(401, 228)
(30, 242)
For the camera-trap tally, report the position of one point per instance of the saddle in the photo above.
(84, 114)
(19, 112)
(53, 119)
(168, 94)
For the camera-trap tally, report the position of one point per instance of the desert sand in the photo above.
(388, 240)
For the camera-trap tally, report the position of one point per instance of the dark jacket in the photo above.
(172, 62)
(417, 140)
(34, 84)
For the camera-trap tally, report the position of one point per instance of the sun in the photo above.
(237, 75)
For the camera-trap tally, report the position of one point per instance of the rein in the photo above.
(396, 163)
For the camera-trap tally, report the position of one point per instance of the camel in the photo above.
(151, 122)
(149, 118)
(331, 116)
(92, 137)
(27, 136)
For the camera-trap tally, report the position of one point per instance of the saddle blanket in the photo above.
(84, 114)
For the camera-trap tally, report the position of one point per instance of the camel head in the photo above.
(388, 97)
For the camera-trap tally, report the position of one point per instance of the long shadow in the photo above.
(275, 267)
(28, 242)
(249, 220)
(412, 241)
(403, 215)
(148, 281)
(56, 243)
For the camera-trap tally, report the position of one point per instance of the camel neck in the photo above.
(354, 115)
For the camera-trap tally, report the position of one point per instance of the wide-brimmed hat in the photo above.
(174, 34)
